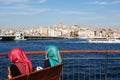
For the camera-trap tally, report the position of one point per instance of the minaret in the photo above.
(60, 25)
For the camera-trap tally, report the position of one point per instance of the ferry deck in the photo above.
(79, 67)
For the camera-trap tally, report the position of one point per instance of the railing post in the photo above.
(63, 68)
(106, 66)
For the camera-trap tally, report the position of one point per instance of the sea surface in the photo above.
(62, 44)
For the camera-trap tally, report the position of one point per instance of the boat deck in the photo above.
(79, 64)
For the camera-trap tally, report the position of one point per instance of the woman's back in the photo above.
(53, 55)
(20, 63)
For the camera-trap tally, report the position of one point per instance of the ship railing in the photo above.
(78, 64)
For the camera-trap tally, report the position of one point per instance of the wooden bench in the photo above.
(20, 77)
(50, 73)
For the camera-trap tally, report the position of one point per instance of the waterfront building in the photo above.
(66, 31)
(0, 31)
(26, 32)
(86, 33)
(42, 31)
(116, 33)
(54, 32)
(109, 33)
(51, 32)
(58, 33)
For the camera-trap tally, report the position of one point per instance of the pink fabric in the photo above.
(16, 56)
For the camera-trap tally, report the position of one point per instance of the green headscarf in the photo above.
(53, 55)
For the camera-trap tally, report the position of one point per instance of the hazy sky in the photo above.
(35, 13)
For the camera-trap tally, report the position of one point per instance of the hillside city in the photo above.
(66, 31)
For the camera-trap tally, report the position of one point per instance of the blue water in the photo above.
(62, 44)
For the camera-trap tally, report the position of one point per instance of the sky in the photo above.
(15, 14)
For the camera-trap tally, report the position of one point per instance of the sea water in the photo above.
(62, 44)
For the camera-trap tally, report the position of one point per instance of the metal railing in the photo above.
(78, 64)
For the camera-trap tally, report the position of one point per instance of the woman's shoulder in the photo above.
(13, 66)
(47, 63)
(14, 70)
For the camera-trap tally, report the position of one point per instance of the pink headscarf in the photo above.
(17, 56)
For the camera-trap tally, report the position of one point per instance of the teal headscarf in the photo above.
(53, 55)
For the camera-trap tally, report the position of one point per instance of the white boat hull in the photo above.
(20, 39)
(104, 41)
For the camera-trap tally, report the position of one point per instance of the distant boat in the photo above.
(19, 37)
(104, 40)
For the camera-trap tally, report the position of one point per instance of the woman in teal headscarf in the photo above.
(52, 56)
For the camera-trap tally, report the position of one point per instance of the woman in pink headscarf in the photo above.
(20, 63)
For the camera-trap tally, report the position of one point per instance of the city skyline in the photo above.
(35, 13)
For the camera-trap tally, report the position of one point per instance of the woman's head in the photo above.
(17, 55)
(52, 53)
